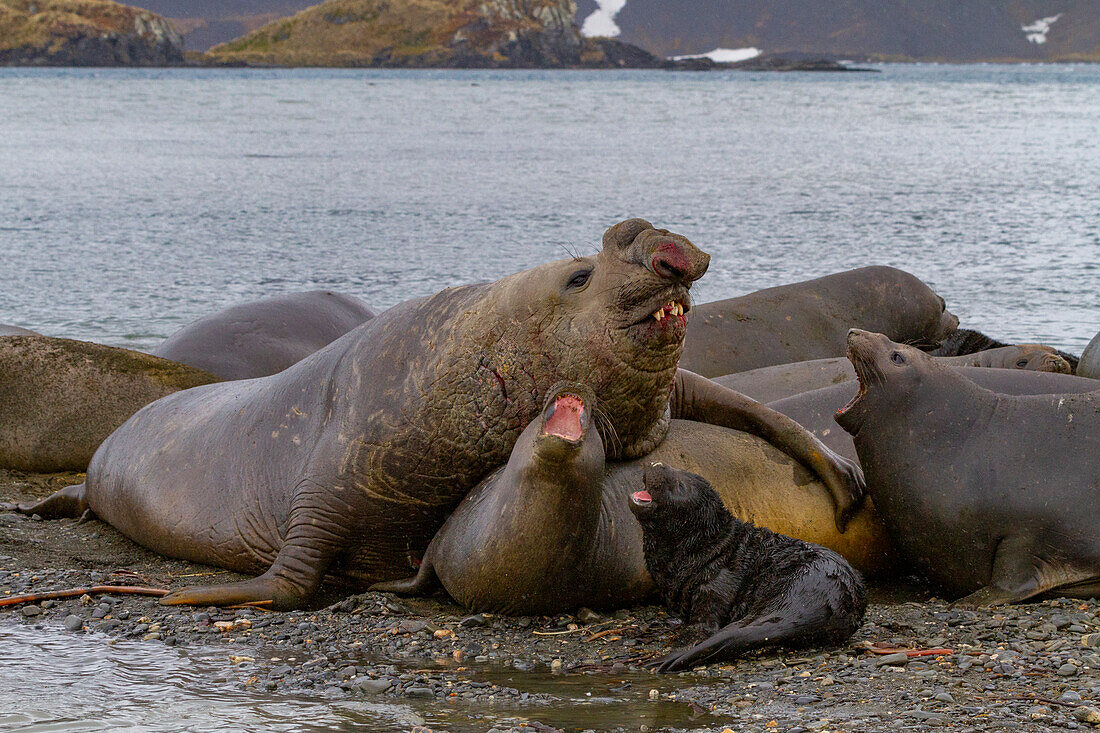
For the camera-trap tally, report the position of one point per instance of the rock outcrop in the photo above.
(84, 33)
(431, 33)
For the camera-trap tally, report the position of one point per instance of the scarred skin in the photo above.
(768, 384)
(986, 494)
(347, 463)
(552, 530)
(265, 336)
(810, 320)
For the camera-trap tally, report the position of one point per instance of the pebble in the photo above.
(32, 611)
(899, 659)
(1068, 670)
(73, 622)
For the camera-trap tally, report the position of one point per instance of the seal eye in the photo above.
(897, 358)
(579, 279)
(1021, 363)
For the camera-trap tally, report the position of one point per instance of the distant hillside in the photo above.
(430, 33)
(941, 30)
(84, 33)
(206, 23)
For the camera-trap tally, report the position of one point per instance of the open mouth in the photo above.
(861, 379)
(641, 498)
(567, 419)
(671, 311)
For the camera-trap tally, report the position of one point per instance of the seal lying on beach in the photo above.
(348, 462)
(965, 342)
(59, 399)
(986, 494)
(746, 586)
(769, 384)
(1090, 359)
(810, 320)
(552, 530)
(6, 330)
(265, 336)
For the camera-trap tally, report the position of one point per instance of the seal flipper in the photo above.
(68, 502)
(1019, 574)
(423, 583)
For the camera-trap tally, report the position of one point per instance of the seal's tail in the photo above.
(68, 502)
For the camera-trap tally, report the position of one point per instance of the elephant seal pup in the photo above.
(59, 399)
(1090, 360)
(265, 336)
(991, 495)
(768, 384)
(744, 586)
(815, 410)
(810, 320)
(6, 330)
(348, 462)
(965, 341)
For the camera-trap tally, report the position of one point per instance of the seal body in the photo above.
(6, 330)
(815, 410)
(1090, 360)
(991, 495)
(768, 384)
(348, 462)
(265, 336)
(745, 586)
(810, 320)
(59, 399)
(967, 342)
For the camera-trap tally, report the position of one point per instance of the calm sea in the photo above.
(133, 201)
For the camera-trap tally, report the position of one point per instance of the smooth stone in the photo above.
(73, 622)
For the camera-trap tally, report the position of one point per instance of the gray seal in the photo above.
(6, 330)
(1090, 359)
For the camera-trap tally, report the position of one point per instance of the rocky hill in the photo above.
(206, 23)
(84, 33)
(430, 33)
(933, 30)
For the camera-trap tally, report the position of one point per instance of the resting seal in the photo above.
(348, 462)
(991, 495)
(964, 341)
(6, 330)
(810, 320)
(745, 587)
(552, 530)
(768, 384)
(59, 399)
(1090, 359)
(265, 336)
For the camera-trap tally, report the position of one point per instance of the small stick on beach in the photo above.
(92, 590)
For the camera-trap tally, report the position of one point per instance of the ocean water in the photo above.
(133, 201)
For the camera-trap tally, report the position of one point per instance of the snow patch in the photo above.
(724, 55)
(1037, 31)
(601, 23)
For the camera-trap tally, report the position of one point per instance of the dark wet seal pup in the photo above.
(990, 495)
(965, 341)
(744, 585)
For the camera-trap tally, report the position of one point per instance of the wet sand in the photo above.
(1033, 667)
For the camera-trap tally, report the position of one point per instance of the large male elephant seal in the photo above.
(768, 384)
(552, 530)
(349, 461)
(265, 336)
(986, 494)
(810, 320)
(6, 330)
(59, 399)
(1090, 360)
(965, 341)
(815, 410)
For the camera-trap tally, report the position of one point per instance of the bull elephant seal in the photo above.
(810, 320)
(768, 384)
(965, 341)
(743, 587)
(59, 399)
(265, 336)
(553, 530)
(991, 495)
(815, 410)
(1090, 360)
(6, 330)
(349, 461)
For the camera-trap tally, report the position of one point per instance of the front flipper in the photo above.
(423, 583)
(1020, 573)
(68, 502)
(700, 399)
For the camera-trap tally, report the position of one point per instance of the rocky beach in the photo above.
(916, 663)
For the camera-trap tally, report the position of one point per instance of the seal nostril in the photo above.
(666, 269)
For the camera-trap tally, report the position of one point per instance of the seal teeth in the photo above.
(659, 313)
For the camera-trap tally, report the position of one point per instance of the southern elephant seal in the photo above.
(743, 587)
(815, 410)
(6, 330)
(768, 384)
(552, 530)
(992, 495)
(346, 463)
(265, 336)
(965, 341)
(1090, 359)
(810, 320)
(59, 399)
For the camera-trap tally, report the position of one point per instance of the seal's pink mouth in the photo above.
(641, 497)
(567, 419)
